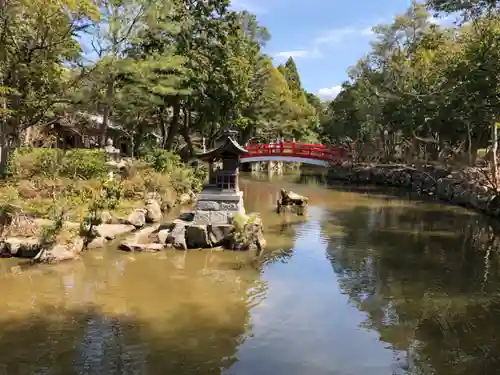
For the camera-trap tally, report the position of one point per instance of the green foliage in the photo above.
(242, 226)
(92, 218)
(26, 163)
(166, 72)
(422, 87)
(85, 164)
(112, 192)
(58, 215)
(162, 160)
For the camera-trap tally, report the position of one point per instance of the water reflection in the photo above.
(141, 315)
(366, 284)
(428, 280)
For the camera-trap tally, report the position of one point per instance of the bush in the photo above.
(85, 164)
(25, 163)
(163, 161)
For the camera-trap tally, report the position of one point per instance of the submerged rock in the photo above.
(132, 247)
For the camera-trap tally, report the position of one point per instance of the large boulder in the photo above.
(61, 252)
(177, 236)
(97, 243)
(218, 234)
(153, 211)
(162, 236)
(137, 218)
(21, 247)
(197, 236)
(110, 231)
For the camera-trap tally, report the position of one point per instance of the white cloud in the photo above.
(334, 36)
(329, 93)
(299, 53)
(294, 54)
(248, 5)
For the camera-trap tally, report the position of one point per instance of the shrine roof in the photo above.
(228, 146)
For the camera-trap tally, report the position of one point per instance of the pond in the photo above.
(369, 282)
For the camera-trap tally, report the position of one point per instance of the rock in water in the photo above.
(132, 247)
(97, 243)
(162, 236)
(110, 231)
(153, 212)
(61, 252)
(289, 197)
(22, 247)
(177, 236)
(218, 233)
(197, 236)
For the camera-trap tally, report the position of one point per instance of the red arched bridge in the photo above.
(294, 152)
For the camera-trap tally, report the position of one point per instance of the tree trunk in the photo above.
(4, 149)
(163, 127)
(28, 135)
(494, 148)
(174, 125)
(469, 142)
(107, 110)
(185, 131)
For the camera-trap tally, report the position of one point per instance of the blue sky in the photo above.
(325, 37)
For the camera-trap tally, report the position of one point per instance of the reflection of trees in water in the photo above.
(428, 281)
(154, 318)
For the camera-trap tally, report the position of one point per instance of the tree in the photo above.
(37, 47)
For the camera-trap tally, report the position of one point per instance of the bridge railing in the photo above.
(306, 150)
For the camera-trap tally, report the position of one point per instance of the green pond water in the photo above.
(368, 283)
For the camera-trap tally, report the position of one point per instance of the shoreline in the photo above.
(446, 185)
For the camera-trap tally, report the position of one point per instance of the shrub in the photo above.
(113, 192)
(85, 164)
(24, 162)
(58, 215)
(163, 161)
(134, 187)
(163, 185)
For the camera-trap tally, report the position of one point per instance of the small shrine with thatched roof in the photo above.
(219, 218)
(222, 197)
(227, 151)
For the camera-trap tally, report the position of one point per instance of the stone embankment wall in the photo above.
(455, 187)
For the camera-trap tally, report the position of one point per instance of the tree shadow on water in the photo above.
(86, 340)
(428, 282)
